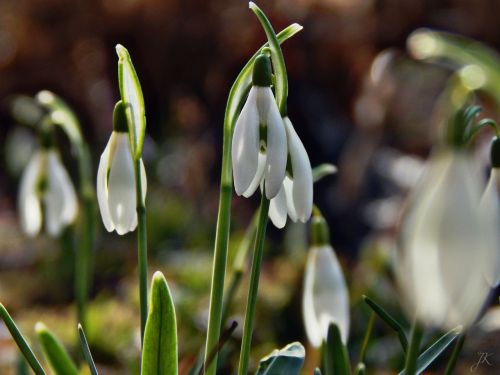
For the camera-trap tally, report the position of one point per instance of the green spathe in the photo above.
(159, 354)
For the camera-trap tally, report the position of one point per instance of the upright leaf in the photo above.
(21, 341)
(54, 352)
(86, 351)
(159, 353)
(287, 361)
(336, 358)
(131, 94)
(439, 346)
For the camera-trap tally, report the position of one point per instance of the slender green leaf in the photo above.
(281, 87)
(287, 361)
(435, 350)
(336, 356)
(20, 341)
(317, 371)
(159, 355)
(61, 114)
(86, 351)
(131, 94)
(54, 352)
(323, 170)
(391, 322)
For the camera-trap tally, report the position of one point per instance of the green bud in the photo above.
(120, 123)
(320, 234)
(495, 152)
(262, 72)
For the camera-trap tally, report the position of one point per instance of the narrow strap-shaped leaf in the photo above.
(336, 358)
(21, 342)
(54, 352)
(434, 351)
(360, 369)
(391, 322)
(131, 94)
(159, 353)
(317, 371)
(323, 170)
(86, 351)
(287, 361)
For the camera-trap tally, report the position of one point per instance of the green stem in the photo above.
(413, 349)
(454, 355)
(366, 339)
(142, 247)
(254, 286)
(279, 66)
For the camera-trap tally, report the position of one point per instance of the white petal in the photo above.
(325, 297)
(443, 238)
(102, 183)
(144, 183)
(276, 148)
(121, 186)
(278, 210)
(257, 179)
(61, 205)
(246, 144)
(288, 186)
(30, 211)
(302, 174)
(490, 205)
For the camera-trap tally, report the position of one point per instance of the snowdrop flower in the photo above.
(116, 188)
(46, 182)
(325, 298)
(446, 244)
(259, 146)
(295, 197)
(490, 205)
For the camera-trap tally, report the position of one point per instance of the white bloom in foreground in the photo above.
(490, 205)
(116, 188)
(325, 298)
(295, 198)
(259, 146)
(45, 180)
(446, 245)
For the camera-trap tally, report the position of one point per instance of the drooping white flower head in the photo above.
(259, 146)
(46, 182)
(446, 244)
(116, 182)
(325, 298)
(295, 198)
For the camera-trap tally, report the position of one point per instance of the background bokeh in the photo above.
(356, 99)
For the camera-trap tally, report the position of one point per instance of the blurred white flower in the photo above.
(490, 205)
(326, 298)
(45, 180)
(259, 146)
(116, 188)
(295, 198)
(446, 244)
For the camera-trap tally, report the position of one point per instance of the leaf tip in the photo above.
(40, 328)
(122, 52)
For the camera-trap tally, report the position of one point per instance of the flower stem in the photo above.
(454, 355)
(254, 286)
(366, 339)
(142, 247)
(413, 349)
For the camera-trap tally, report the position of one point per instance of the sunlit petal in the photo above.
(302, 191)
(278, 209)
(61, 205)
(121, 186)
(276, 150)
(245, 145)
(102, 184)
(325, 297)
(30, 211)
